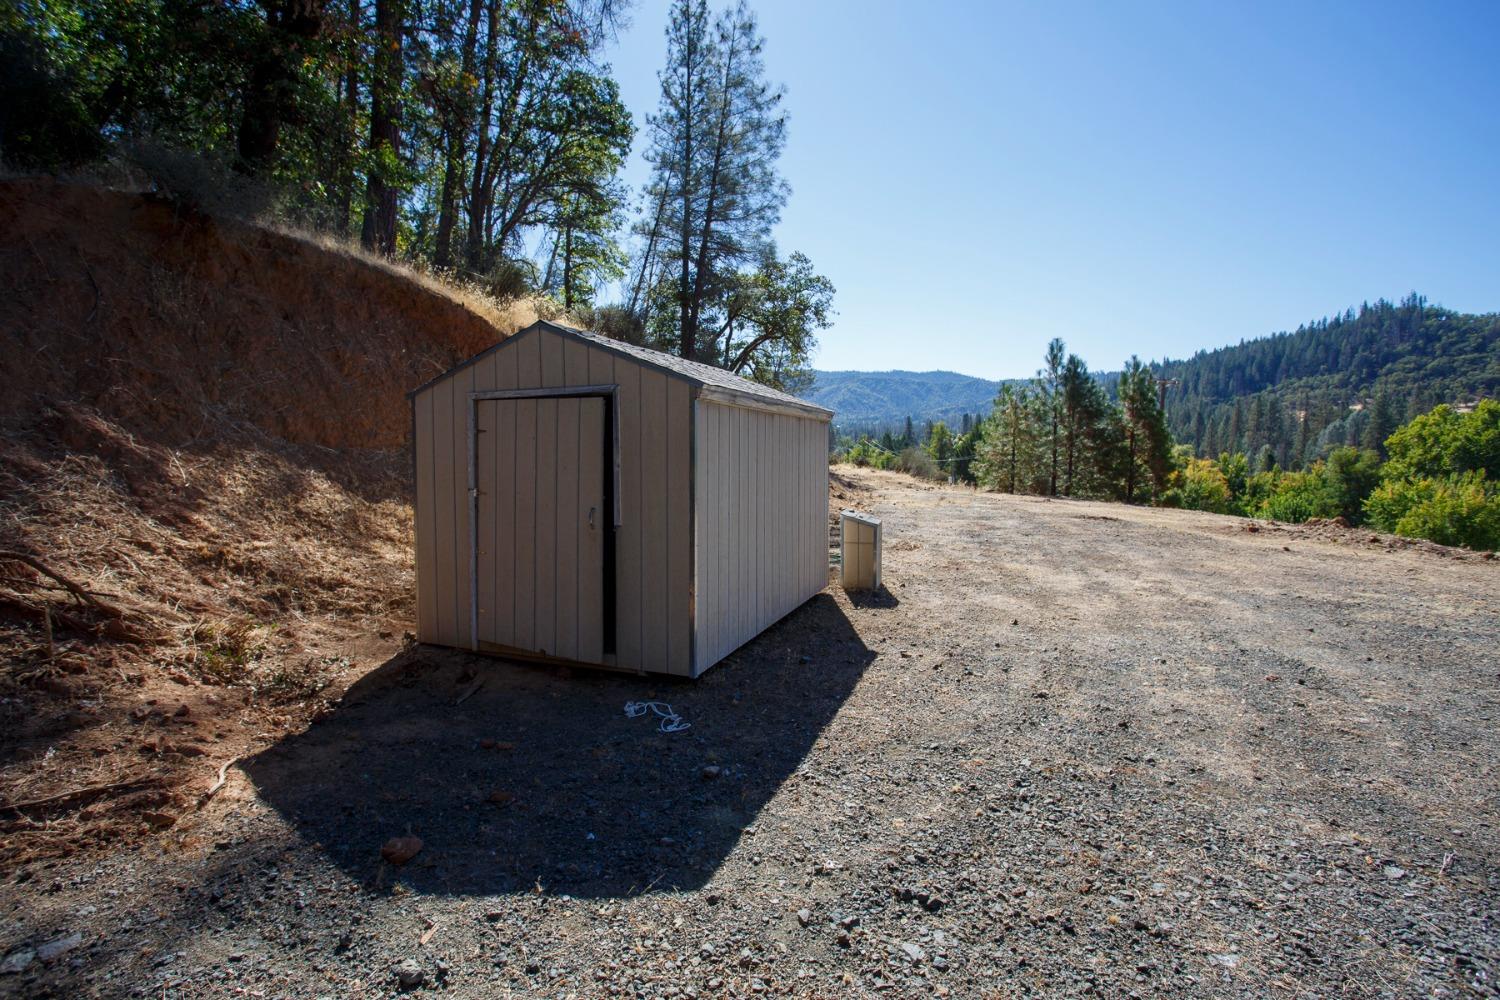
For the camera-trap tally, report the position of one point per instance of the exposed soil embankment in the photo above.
(204, 520)
(162, 317)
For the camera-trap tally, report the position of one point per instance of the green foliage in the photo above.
(1441, 481)
(389, 111)
(1199, 485)
(714, 194)
(1445, 442)
(940, 443)
(916, 461)
(1297, 497)
(771, 325)
(1007, 458)
(869, 454)
(1458, 510)
(1148, 443)
(1349, 476)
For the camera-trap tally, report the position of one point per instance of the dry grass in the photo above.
(252, 578)
(206, 429)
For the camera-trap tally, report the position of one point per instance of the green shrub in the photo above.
(1463, 510)
(1299, 496)
(1199, 485)
(915, 461)
(866, 453)
(1446, 442)
(1349, 476)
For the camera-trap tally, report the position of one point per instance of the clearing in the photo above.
(1076, 749)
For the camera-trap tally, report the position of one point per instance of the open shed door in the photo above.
(542, 526)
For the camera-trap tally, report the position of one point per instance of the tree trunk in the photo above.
(458, 138)
(268, 96)
(478, 200)
(1052, 482)
(688, 339)
(351, 110)
(1072, 448)
(568, 268)
(637, 292)
(385, 128)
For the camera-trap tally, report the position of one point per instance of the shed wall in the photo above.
(653, 575)
(762, 522)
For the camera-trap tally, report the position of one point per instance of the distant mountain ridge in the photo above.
(888, 398)
(1299, 393)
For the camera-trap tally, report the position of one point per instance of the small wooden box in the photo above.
(859, 550)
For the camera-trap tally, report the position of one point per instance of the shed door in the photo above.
(541, 526)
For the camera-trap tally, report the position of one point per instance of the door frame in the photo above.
(610, 395)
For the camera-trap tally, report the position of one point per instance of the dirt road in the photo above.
(1077, 749)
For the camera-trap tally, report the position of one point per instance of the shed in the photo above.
(586, 500)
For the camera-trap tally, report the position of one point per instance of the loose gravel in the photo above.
(1074, 749)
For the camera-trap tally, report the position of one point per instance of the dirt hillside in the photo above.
(203, 514)
(162, 317)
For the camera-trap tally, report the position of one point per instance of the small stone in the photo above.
(399, 850)
(804, 916)
(1228, 961)
(409, 974)
(712, 771)
(59, 946)
(707, 950)
(914, 952)
(17, 961)
(850, 922)
(1394, 872)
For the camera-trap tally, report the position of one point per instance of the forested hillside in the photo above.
(1349, 379)
(886, 399)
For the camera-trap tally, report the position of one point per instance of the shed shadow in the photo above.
(587, 801)
(879, 598)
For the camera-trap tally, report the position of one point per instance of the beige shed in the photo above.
(586, 500)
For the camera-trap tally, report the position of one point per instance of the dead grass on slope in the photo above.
(235, 584)
(205, 528)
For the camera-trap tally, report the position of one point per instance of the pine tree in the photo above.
(1148, 443)
(1003, 460)
(1050, 393)
(714, 146)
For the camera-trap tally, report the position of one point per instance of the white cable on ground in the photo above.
(671, 722)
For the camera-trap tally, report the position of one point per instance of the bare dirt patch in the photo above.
(1079, 750)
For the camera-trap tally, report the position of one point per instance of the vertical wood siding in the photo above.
(762, 530)
(652, 550)
(560, 553)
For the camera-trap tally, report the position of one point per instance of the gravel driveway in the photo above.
(1076, 749)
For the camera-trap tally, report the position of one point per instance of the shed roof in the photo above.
(714, 383)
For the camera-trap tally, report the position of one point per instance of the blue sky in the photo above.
(1134, 177)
